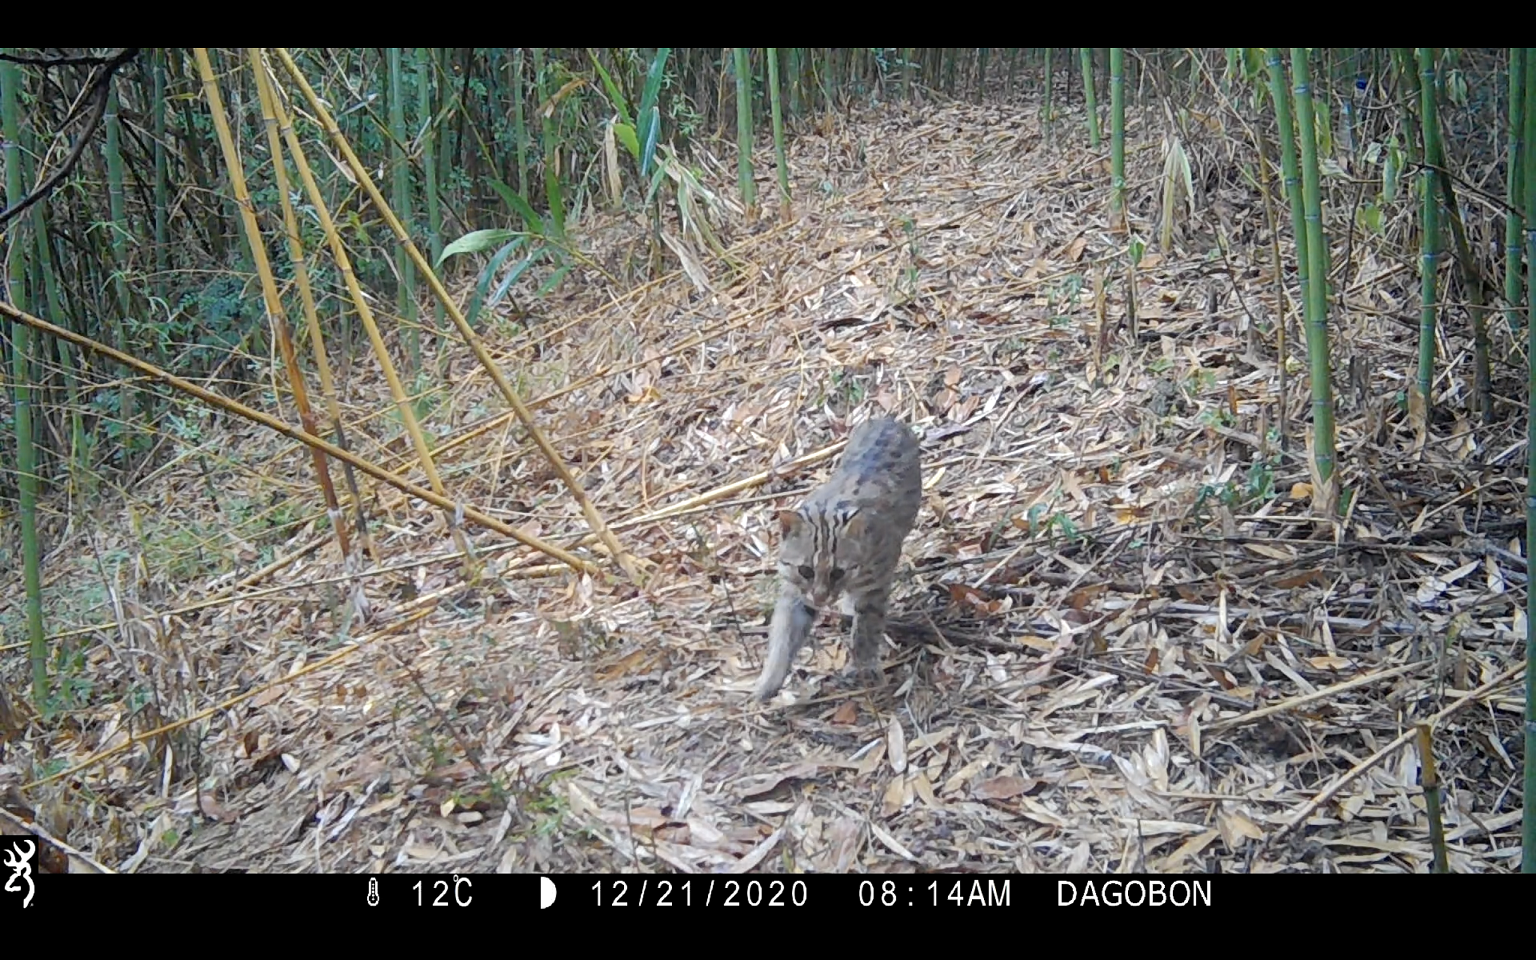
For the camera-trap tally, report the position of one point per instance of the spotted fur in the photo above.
(842, 546)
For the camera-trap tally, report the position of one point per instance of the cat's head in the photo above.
(820, 551)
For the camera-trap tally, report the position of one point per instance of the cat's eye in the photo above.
(807, 572)
(837, 574)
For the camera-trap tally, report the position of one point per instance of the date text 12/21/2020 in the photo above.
(800, 892)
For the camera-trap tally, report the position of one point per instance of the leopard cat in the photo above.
(842, 546)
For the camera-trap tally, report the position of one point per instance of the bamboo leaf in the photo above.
(477, 241)
(614, 96)
(1391, 172)
(1456, 88)
(512, 276)
(554, 279)
(519, 206)
(547, 108)
(657, 176)
(611, 164)
(652, 128)
(649, 115)
(484, 283)
(626, 134)
(555, 194)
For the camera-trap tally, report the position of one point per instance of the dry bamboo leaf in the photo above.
(898, 793)
(896, 745)
(961, 777)
(1190, 849)
(891, 843)
(1002, 788)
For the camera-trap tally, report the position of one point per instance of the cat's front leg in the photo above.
(868, 630)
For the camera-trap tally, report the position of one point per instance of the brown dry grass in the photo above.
(1114, 653)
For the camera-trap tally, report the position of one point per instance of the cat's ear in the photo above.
(854, 525)
(789, 522)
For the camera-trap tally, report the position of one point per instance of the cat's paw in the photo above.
(865, 674)
(766, 688)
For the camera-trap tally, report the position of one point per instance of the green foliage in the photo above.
(1216, 414)
(1257, 487)
(1064, 295)
(507, 244)
(847, 389)
(72, 684)
(1198, 381)
(1455, 86)
(210, 323)
(650, 111)
(1042, 521)
(1369, 217)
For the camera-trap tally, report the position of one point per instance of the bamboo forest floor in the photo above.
(1120, 642)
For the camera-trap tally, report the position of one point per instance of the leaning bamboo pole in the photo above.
(360, 172)
(300, 261)
(302, 436)
(364, 312)
(269, 294)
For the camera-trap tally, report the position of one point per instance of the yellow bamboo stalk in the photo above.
(269, 295)
(300, 263)
(360, 172)
(364, 313)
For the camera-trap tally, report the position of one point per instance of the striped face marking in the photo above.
(818, 554)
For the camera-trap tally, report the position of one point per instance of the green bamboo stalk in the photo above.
(1045, 103)
(1317, 316)
(1290, 172)
(553, 191)
(429, 154)
(212, 219)
(447, 143)
(1282, 350)
(1117, 137)
(1091, 104)
(1514, 189)
(119, 233)
(1430, 779)
(1467, 268)
(400, 199)
(793, 70)
(21, 410)
(1528, 173)
(981, 75)
(778, 132)
(1344, 77)
(1429, 243)
(80, 446)
(1408, 76)
(744, 132)
(519, 125)
(162, 177)
(498, 144)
